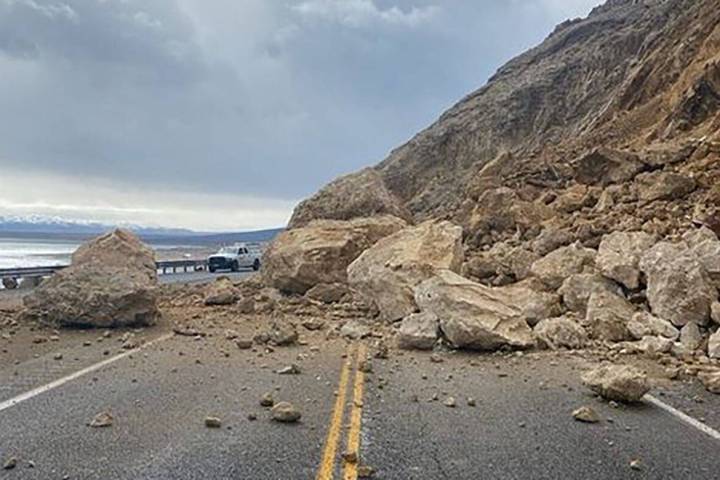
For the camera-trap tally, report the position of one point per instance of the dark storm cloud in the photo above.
(267, 98)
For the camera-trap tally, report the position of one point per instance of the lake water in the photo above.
(19, 252)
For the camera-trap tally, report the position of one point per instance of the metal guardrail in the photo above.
(164, 268)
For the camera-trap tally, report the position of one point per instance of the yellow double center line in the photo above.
(327, 466)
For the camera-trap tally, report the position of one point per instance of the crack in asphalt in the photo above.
(434, 452)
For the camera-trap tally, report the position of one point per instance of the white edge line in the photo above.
(61, 381)
(684, 417)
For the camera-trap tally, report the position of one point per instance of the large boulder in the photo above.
(679, 288)
(321, 251)
(112, 282)
(387, 273)
(418, 331)
(562, 332)
(534, 304)
(644, 324)
(619, 256)
(221, 292)
(360, 194)
(706, 247)
(621, 383)
(608, 315)
(576, 289)
(472, 315)
(558, 265)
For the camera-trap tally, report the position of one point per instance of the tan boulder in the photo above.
(472, 315)
(559, 264)
(713, 349)
(387, 273)
(577, 288)
(360, 194)
(711, 381)
(679, 288)
(221, 292)
(320, 252)
(621, 383)
(643, 324)
(418, 331)
(561, 332)
(706, 247)
(619, 256)
(608, 315)
(111, 282)
(534, 304)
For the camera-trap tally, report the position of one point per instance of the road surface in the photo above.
(392, 416)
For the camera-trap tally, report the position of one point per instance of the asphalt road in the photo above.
(521, 426)
(200, 277)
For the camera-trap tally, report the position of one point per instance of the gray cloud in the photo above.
(244, 98)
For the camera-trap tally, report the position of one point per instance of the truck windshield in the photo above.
(227, 250)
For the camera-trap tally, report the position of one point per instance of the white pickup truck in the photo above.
(235, 257)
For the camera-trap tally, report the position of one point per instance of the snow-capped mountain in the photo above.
(54, 224)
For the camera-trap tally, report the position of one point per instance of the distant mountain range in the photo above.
(56, 227)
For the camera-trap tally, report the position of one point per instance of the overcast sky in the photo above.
(222, 114)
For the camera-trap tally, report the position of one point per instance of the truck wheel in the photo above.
(256, 265)
(212, 269)
(235, 266)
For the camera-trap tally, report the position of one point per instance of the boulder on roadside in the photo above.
(608, 315)
(112, 282)
(649, 345)
(285, 412)
(355, 330)
(643, 324)
(221, 292)
(586, 415)
(558, 265)
(577, 288)
(621, 383)
(282, 333)
(359, 194)
(561, 332)
(472, 315)
(711, 381)
(386, 273)
(418, 331)
(679, 288)
(320, 251)
(619, 256)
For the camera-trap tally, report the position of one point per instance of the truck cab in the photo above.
(235, 257)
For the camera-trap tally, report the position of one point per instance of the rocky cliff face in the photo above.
(613, 122)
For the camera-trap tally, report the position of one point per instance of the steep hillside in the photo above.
(607, 124)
